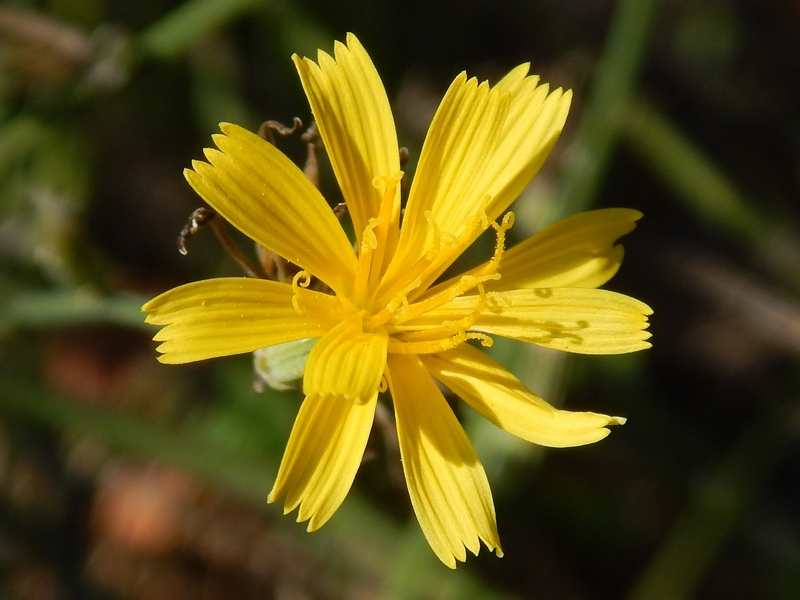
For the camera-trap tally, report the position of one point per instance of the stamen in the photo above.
(411, 278)
(469, 320)
(464, 284)
(447, 244)
(439, 345)
(485, 340)
(435, 243)
(369, 242)
(398, 305)
(387, 186)
(369, 238)
(436, 240)
(421, 333)
(374, 240)
(300, 281)
(480, 223)
(488, 270)
(500, 245)
(384, 183)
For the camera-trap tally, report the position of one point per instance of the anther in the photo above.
(386, 182)
(397, 308)
(438, 345)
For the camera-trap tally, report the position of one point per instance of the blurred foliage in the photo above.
(123, 478)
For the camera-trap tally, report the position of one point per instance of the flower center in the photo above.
(410, 332)
(400, 307)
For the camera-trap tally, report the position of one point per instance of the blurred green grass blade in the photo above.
(704, 190)
(715, 510)
(708, 194)
(175, 33)
(361, 535)
(68, 308)
(614, 81)
(246, 478)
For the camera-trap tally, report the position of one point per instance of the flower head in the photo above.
(388, 320)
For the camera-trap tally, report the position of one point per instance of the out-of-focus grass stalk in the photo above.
(614, 82)
(709, 194)
(704, 190)
(66, 308)
(715, 510)
(717, 506)
(587, 158)
(175, 33)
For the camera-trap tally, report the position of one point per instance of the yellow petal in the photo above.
(347, 362)
(531, 128)
(584, 321)
(446, 198)
(323, 454)
(579, 251)
(341, 382)
(221, 317)
(448, 486)
(512, 80)
(533, 125)
(267, 197)
(500, 397)
(351, 109)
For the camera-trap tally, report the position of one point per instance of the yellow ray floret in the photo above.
(347, 362)
(352, 112)
(447, 484)
(505, 401)
(221, 317)
(323, 454)
(578, 320)
(579, 251)
(247, 177)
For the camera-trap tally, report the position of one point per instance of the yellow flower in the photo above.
(385, 323)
